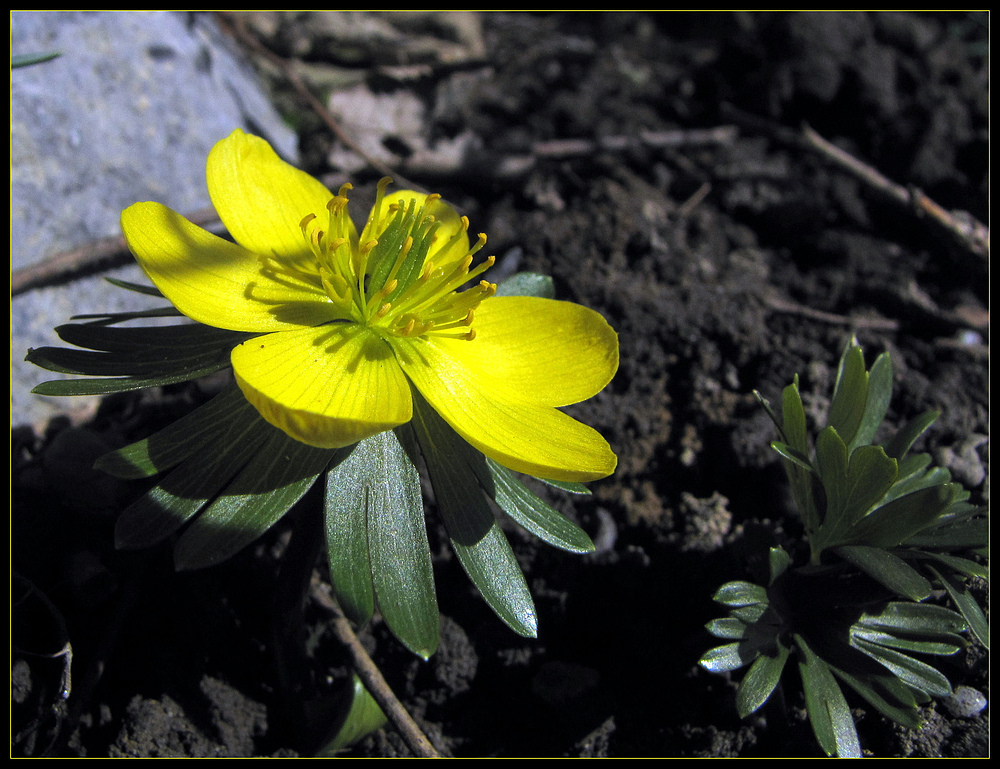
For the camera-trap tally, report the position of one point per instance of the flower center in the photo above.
(401, 275)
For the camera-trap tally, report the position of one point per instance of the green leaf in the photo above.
(175, 443)
(571, 487)
(192, 484)
(796, 438)
(828, 711)
(109, 318)
(900, 519)
(778, 563)
(475, 536)
(729, 657)
(528, 284)
(541, 519)
(888, 569)
(916, 618)
(760, 681)
(141, 357)
(954, 563)
(727, 627)
(346, 524)
(850, 394)
(890, 696)
(961, 533)
(877, 402)
(766, 404)
(277, 476)
(801, 461)
(905, 437)
(397, 540)
(137, 287)
(739, 593)
(913, 673)
(962, 598)
(870, 475)
(362, 717)
(891, 641)
(18, 60)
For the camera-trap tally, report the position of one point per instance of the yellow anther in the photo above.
(345, 188)
(471, 335)
(383, 310)
(367, 247)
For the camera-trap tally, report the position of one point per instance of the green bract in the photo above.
(885, 530)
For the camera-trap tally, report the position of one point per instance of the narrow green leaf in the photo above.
(877, 402)
(888, 569)
(796, 438)
(528, 284)
(346, 524)
(914, 673)
(478, 541)
(954, 564)
(766, 404)
(793, 424)
(891, 641)
(897, 521)
(175, 443)
(850, 394)
(890, 696)
(962, 598)
(828, 711)
(796, 458)
(571, 487)
(277, 476)
(108, 318)
(137, 287)
(18, 60)
(907, 435)
(739, 593)
(397, 541)
(363, 716)
(541, 519)
(964, 533)
(192, 484)
(760, 681)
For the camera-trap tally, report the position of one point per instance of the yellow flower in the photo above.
(351, 321)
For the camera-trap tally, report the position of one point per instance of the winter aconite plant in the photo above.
(354, 355)
(885, 532)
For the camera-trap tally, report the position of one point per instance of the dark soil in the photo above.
(726, 264)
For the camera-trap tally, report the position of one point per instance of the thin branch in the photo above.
(373, 680)
(237, 27)
(106, 252)
(960, 225)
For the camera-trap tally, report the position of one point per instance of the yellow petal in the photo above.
(217, 282)
(330, 386)
(527, 437)
(451, 242)
(260, 198)
(541, 350)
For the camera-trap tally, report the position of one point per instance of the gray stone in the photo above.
(128, 112)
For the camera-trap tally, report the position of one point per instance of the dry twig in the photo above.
(106, 252)
(961, 226)
(236, 25)
(373, 680)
